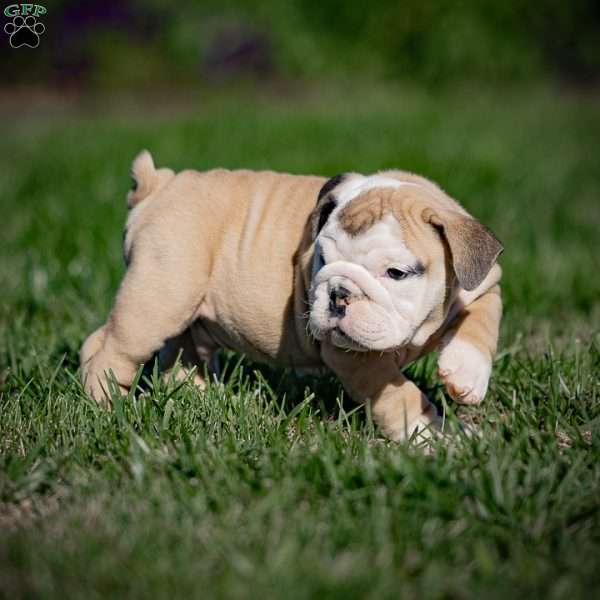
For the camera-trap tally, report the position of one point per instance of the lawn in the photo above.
(267, 484)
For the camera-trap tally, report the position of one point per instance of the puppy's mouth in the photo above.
(343, 340)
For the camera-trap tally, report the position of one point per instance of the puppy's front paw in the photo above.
(425, 426)
(465, 371)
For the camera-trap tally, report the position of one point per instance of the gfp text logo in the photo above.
(25, 28)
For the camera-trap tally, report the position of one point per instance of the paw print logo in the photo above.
(24, 31)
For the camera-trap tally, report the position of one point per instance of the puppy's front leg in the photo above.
(398, 406)
(468, 348)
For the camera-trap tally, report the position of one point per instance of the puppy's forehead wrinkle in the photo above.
(362, 201)
(370, 207)
(384, 241)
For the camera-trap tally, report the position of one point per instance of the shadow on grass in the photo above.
(291, 387)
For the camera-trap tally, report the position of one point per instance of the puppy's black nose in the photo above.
(338, 300)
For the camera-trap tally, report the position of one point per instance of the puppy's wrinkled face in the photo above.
(388, 257)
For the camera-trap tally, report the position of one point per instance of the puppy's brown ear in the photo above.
(325, 204)
(473, 246)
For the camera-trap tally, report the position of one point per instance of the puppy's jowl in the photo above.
(389, 266)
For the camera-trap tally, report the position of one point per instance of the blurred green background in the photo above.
(130, 43)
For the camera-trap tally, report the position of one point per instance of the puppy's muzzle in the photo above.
(348, 282)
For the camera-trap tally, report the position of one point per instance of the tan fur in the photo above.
(223, 259)
(365, 211)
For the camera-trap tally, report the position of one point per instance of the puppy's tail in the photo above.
(146, 178)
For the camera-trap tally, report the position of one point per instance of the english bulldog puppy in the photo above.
(361, 274)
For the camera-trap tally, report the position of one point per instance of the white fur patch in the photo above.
(465, 371)
(360, 184)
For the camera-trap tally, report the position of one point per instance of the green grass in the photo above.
(272, 485)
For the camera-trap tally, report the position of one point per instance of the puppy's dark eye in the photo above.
(397, 274)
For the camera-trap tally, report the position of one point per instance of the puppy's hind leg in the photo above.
(157, 300)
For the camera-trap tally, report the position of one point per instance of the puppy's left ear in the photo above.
(325, 204)
(473, 246)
